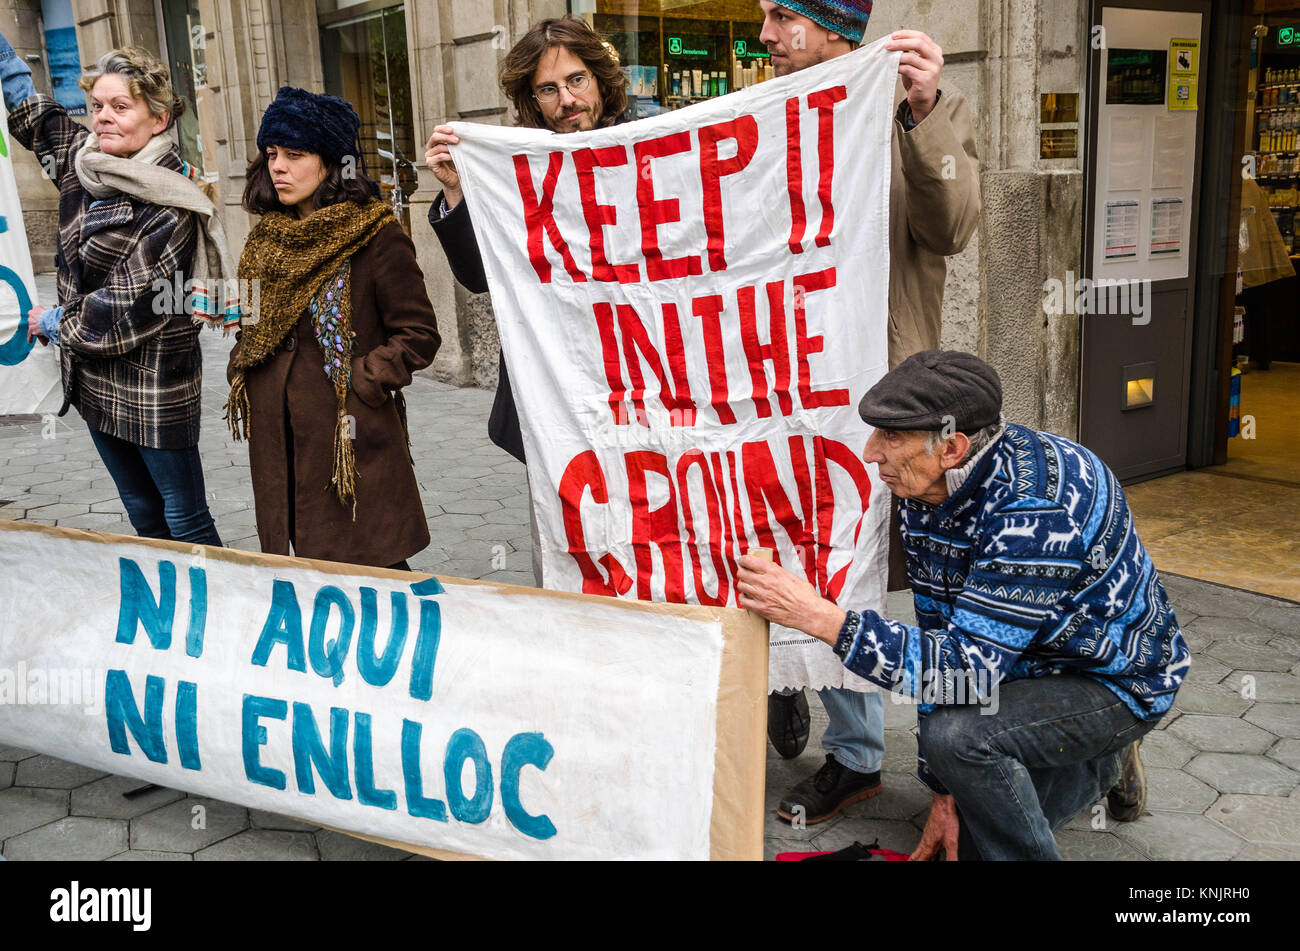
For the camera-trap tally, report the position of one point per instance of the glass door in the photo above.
(365, 62)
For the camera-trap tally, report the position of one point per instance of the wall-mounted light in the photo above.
(1139, 385)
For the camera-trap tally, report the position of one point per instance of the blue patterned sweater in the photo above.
(1031, 568)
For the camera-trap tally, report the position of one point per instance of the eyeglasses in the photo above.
(548, 92)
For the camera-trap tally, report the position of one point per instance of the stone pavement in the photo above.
(1223, 768)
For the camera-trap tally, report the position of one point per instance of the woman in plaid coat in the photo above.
(130, 357)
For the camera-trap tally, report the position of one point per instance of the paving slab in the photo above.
(188, 825)
(1280, 719)
(74, 838)
(1267, 686)
(1245, 774)
(1162, 748)
(1222, 734)
(338, 847)
(1279, 617)
(270, 820)
(1179, 837)
(890, 833)
(1172, 790)
(22, 810)
(7, 774)
(1251, 657)
(265, 845)
(146, 855)
(52, 773)
(1286, 752)
(1210, 698)
(1259, 818)
(104, 798)
(1091, 846)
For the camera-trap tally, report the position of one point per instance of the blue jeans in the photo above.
(855, 733)
(1049, 751)
(162, 489)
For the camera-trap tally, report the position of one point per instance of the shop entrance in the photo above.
(1230, 510)
(1265, 371)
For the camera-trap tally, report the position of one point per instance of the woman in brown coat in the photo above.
(341, 324)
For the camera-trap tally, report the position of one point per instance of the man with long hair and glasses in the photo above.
(560, 76)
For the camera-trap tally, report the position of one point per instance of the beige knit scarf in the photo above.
(139, 176)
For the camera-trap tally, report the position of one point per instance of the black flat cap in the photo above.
(932, 387)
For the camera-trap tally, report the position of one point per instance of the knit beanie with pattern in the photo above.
(848, 18)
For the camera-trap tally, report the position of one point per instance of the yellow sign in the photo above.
(1184, 67)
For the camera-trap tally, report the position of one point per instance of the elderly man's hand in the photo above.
(919, 68)
(786, 599)
(940, 831)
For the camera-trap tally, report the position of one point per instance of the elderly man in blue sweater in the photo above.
(1045, 647)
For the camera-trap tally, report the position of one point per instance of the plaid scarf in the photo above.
(303, 265)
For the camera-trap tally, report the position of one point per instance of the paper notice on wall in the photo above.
(1167, 227)
(1175, 136)
(1123, 220)
(1127, 170)
(1184, 56)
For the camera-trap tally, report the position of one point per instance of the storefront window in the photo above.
(365, 62)
(676, 53)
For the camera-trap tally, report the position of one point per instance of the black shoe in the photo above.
(825, 793)
(787, 723)
(1128, 797)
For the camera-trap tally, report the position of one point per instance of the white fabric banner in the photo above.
(480, 719)
(29, 373)
(691, 307)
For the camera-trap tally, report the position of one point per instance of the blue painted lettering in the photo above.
(283, 625)
(254, 736)
(524, 749)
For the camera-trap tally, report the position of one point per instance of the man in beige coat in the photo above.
(934, 207)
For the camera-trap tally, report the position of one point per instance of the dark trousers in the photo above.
(1023, 769)
(162, 489)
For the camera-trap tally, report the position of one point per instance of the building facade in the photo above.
(1044, 86)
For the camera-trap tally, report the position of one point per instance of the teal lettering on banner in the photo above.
(309, 751)
(137, 606)
(14, 350)
(283, 626)
(466, 744)
(123, 714)
(364, 755)
(524, 749)
(254, 736)
(417, 804)
(327, 660)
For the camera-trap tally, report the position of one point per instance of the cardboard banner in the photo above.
(29, 373)
(450, 717)
(691, 307)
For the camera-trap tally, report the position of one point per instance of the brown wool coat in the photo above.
(293, 413)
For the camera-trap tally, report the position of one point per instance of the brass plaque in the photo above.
(1058, 107)
(1059, 143)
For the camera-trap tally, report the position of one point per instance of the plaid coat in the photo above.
(129, 354)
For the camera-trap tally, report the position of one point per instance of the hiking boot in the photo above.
(787, 723)
(1128, 797)
(825, 793)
